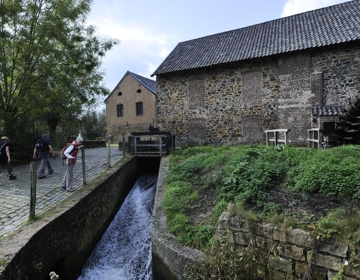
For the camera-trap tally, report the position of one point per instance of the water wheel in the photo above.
(348, 125)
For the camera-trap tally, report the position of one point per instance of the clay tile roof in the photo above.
(317, 28)
(331, 110)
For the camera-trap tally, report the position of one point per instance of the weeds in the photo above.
(243, 177)
(336, 225)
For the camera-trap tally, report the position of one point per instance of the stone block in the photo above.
(325, 261)
(352, 270)
(333, 275)
(279, 234)
(239, 223)
(299, 237)
(265, 230)
(281, 264)
(300, 268)
(242, 238)
(263, 243)
(356, 255)
(223, 221)
(318, 273)
(292, 251)
(276, 275)
(335, 248)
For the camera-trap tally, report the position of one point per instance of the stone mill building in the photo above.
(230, 87)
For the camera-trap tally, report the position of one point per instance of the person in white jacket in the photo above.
(71, 154)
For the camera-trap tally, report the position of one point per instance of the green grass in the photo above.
(243, 175)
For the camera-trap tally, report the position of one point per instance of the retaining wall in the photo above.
(285, 254)
(63, 239)
(289, 254)
(169, 257)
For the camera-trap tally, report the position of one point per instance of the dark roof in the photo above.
(331, 110)
(148, 83)
(322, 27)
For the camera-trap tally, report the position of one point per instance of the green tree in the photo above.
(49, 64)
(93, 124)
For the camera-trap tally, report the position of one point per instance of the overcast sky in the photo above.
(149, 30)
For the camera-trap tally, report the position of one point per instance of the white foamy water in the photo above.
(124, 251)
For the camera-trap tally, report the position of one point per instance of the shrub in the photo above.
(245, 175)
(334, 171)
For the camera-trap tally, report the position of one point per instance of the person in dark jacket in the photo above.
(71, 155)
(43, 154)
(5, 157)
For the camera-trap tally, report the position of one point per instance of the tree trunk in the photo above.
(53, 122)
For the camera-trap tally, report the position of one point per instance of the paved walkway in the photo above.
(15, 194)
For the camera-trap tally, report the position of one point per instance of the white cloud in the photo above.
(141, 50)
(292, 7)
(151, 67)
(135, 33)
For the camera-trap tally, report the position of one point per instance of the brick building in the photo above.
(131, 106)
(230, 87)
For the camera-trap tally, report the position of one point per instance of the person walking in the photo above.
(5, 157)
(70, 160)
(43, 147)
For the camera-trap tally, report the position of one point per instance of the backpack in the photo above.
(63, 151)
(41, 146)
(2, 147)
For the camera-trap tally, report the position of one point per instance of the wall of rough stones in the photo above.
(236, 102)
(290, 253)
(286, 253)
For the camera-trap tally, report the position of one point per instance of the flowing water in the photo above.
(124, 251)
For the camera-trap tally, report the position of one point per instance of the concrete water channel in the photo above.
(64, 236)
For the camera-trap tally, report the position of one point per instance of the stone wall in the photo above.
(169, 257)
(285, 254)
(235, 103)
(122, 132)
(290, 253)
(63, 239)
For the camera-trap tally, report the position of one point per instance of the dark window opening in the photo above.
(139, 109)
(138, 91)
(119, 93)
(120, 110)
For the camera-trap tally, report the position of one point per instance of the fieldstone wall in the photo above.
(289, 254)
(236, 102)
(340, 73)
(284, 254)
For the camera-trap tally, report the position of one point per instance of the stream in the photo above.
(124, 251)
